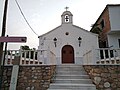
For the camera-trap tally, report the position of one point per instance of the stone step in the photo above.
(74, 81)
(60, 89)
(70, 68)
(82, 88)
(73, 86)
(71, 73)
(69, 65)
(72, 77)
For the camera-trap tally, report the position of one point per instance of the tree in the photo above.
(25, 47)
(31, 51)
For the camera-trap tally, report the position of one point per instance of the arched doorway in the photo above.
(67, 54)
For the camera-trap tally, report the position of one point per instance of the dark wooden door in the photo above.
(67, 54)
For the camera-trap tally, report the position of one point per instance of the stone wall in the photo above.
(105, 77)
(6, 78)
(30, 77)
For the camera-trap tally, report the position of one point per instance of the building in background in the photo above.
(108, 27)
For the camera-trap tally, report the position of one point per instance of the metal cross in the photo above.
(66, 8)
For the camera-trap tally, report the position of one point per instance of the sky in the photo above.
(45, 15)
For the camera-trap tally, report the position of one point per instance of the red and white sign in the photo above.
(13, 39)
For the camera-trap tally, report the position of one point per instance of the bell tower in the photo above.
(67, 17)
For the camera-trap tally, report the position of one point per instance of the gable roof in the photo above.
(50, 31)
(73, 26)
(85, 30)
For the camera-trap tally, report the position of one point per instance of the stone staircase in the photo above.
(71, 77)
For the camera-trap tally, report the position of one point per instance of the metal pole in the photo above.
(2, 43)
(3, 31)
(2, 66)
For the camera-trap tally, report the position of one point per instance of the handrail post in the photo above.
(99, 57)
(109, 56)
(20, 52)
(114, 54)
(104, 56)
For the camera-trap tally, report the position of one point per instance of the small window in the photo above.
(102, 23)
(119, 42)
(66, 18)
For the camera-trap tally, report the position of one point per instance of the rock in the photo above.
(107, 84)
(28, 88)
(97, 80)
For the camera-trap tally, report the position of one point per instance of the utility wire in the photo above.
(25, 18)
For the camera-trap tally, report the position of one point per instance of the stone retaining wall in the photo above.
(105, 77)
(6, 78)
(30, 77)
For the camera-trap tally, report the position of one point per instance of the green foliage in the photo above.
(25, 47)
(27, 53)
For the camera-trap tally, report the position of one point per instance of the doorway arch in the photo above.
(67, 54)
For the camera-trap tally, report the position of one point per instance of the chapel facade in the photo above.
(67, 42)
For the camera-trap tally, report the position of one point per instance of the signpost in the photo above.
(13, 39)
(16, 67)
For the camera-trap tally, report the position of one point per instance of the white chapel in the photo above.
(67, 42)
